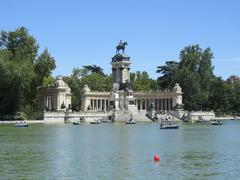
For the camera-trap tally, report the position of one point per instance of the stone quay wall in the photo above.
(205, 115)
(69, 117)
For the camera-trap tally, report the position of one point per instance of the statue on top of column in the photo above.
(121, 46)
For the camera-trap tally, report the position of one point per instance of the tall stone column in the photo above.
(164, 107)
(100, 107)
(104, 104)
(95, 104)
(145, 104)
(168, 104)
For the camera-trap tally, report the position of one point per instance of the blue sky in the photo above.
(85, 32)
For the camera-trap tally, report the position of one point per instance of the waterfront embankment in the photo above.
(28, 121)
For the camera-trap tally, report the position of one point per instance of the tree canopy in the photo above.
(95, 79)
(21, 71)
(202, 89)
(142, 82)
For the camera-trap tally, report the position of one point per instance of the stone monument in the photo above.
(122, 98)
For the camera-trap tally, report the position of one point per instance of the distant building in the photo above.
(55, 98)
(122, 97)
(101, 101)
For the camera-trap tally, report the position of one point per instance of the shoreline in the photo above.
(227, 118)
(28, 121)
(43, 122)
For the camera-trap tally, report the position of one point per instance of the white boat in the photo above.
(216, 122)
(21, 124)
(96, 122)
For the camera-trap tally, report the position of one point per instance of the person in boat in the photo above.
(161, 125)
(170, 123)
(131, 118)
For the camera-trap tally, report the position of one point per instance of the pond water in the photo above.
(120, 151)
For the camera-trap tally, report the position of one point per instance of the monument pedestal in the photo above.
(114, 100)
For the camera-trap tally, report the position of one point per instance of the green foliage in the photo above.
(142, 82)
(74, 83)
(21, 72)
(94, 69)
(43, 66)
(222, 96)
(202, 90)
(19, 43)
(15, 78)
(236, 103)
(96, 81)
(168, 71)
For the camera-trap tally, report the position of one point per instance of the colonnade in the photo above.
(101, 104)
(98, 104)
(48, 102)
(158, 103)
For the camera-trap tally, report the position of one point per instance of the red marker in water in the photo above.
(156, 158)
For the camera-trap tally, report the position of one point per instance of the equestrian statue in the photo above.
(121, 46)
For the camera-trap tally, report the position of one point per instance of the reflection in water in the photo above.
(120, 151)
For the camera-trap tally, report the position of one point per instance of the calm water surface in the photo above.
(119, 151)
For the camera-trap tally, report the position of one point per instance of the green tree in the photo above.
(236, 104)
(83, 76)
(43, 66)
(97, 82)
(195, 74)
(21, 71)
(75, 85)
(222, 97)
(168, 71)
(19, 43)
(94, 69)
(142, 82)
(15, 78)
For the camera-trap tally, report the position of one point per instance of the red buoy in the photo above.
(156, 158)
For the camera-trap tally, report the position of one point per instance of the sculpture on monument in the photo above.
(121, 46)
(115, 87)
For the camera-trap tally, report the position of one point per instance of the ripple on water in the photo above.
(117, 151)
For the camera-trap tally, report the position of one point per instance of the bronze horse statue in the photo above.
(121, 46)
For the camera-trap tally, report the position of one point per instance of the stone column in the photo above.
(104, 108)
(167, 103)
(156, 102)
(91, 104)
(99, 104)
(162, 103)
(145, 103)
(103, 104)
(164, 108)
(171, 104)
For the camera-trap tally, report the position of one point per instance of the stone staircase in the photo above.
(167, 117)
(125, 115)
(140, 116)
